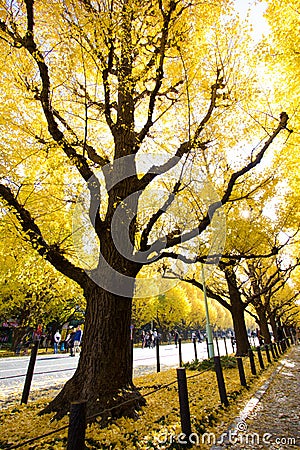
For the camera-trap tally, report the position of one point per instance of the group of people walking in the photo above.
(149, 338)
(71, 343)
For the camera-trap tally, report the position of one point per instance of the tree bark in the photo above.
(237, 312)
(240, 330)
(104, 374)
(263, 324)
(273, 326)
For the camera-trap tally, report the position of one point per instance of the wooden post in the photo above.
(272, 350)
(260, 358)
(241, 371)
(180, 353)
(131, 357)
(220, 380)
(77, 426)
(195, 348)
(252, 362)
(207, 347)
(268, 353)
(157, 355)
(225, 343)
(29, 374)
(184, 403)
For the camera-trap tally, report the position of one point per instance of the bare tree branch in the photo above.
(159, 70)
(57, 135)
(152, 221)
(105, 76)
(209, 292)
(206, 220)
(235, 176)
(91, 152)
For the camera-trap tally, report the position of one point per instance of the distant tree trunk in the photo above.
(261, 304)
(18, 334)
(240, 330)
(263, 324)
(273, 326)
(237, 312)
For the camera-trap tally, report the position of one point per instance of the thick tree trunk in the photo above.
(104, 374)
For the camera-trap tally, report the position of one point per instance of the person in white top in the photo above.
(56, 338)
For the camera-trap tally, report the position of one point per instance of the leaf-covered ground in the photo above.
(274, 422)
(158, 421)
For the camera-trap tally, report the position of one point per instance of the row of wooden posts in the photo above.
(34, 352)
(77, 424)
(157, 345)
(275, 349)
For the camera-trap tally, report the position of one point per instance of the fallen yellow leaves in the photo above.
(160, 417)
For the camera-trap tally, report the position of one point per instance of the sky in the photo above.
(256, 10)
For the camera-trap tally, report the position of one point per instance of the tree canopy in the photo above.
(129, 130)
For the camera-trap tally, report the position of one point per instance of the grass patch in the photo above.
(227, 362)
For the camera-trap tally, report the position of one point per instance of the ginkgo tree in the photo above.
(116, 95)
(267, 280)
(253, 240)
(180, 307)
(167, 310)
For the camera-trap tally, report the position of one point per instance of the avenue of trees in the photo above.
(182, 308)
(141, 140)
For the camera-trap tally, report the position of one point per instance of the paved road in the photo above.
(51, 370)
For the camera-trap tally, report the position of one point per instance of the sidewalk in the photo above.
(271, 419)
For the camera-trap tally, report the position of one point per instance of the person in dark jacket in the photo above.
(70, 341)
